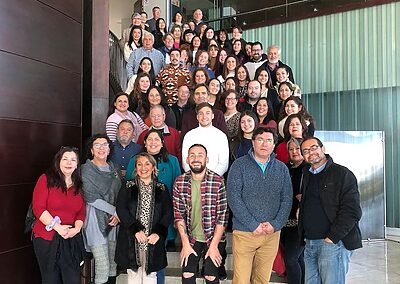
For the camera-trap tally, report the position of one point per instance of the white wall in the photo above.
(163, 4)
(120, 15)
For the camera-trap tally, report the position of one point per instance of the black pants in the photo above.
(293, 255)
(209, 269)
(54, 273)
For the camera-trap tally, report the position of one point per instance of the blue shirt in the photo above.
(137, 55)
(262, 166)
(121, 155)
(319, 169)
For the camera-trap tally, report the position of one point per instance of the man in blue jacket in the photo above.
(259, 191)
(329, 214)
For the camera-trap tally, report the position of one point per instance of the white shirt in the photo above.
(216, 144)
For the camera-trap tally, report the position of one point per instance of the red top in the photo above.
(282, 153)
(68, 206)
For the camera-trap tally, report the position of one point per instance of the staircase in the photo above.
(174, 270)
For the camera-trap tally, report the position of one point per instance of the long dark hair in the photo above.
(270, 113)
(55, 177)
(151, 73)
(286, 133)
(112, 106)
(139, 44)
(163, 151)
(145, 111)
(303, 111)
(240, 135)
(158, 25)
(258, 71)
(218, 67)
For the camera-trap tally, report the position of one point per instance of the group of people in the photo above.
(211, 136)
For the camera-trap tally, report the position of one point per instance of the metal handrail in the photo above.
(117, 61)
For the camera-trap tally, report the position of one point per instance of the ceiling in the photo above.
(276, 11)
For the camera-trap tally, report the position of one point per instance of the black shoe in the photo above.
(222, 273)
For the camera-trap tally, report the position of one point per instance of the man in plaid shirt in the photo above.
(201, 215)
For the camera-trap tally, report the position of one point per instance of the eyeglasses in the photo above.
(230, 99)
(312, 148)
(262, 141)
(99, 145)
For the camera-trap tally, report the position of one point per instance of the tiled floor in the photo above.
(377, 262)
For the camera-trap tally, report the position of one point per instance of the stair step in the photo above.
(173, 276)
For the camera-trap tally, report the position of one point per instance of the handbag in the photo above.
(279, 263)
(29, 220)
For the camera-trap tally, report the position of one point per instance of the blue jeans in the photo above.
(161, 276)
(326, 263)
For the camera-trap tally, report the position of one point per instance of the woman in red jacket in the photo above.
(60, 210)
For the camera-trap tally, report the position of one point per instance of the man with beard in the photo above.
(201, 215)
(211, 137)
(329, 214)
(172, 77)
(257, 59)
(252, 96)
(274, 62)
(124, 148)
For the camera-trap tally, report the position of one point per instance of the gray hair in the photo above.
(147, 34)
(295, 141)
(274, 47)
(158, 107)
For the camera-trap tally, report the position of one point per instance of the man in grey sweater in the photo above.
(259, 191)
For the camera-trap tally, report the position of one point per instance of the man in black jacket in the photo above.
(329, 215)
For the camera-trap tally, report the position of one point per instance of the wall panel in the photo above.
(43, 92)
(346, 51)
(32, 29)
(348, 67)
(40, 110)
(372, 109)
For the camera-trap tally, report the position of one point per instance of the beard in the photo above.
(197, 170)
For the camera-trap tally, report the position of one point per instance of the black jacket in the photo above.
(126, 250)
(340, 199)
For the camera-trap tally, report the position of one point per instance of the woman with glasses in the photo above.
(230, 99)
(101, 185)
(145, 209)
(60, 210)
(294, 257)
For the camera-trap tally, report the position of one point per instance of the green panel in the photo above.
(372, 109)
(348, 67)
(355, 50)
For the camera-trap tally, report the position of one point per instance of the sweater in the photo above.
(216, 144)
(114, 119)
(161, 216)
(68, 206)
(255, 196)
(189, 121)
(137, 55)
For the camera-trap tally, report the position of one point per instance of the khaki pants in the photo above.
(140, 276)
(253, 257)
